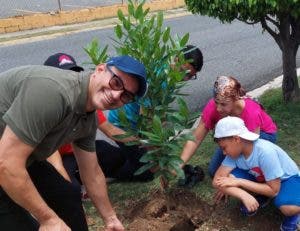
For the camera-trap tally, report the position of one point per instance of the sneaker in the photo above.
(187, 169)
(263, 201)
(290, 223)
(196, 176)
(84, 195)
(193, 175)
(110, 179)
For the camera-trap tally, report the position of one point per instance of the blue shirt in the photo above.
(266, 162)
(132, 111)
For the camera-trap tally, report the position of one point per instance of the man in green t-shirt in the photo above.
(42, 108)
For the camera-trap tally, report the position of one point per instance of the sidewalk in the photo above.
(42, 20)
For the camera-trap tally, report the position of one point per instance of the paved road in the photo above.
(21, 7)
(233, 49)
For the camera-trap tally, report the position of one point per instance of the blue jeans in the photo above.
(218, 156)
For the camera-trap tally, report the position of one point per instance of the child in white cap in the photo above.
(254, 166)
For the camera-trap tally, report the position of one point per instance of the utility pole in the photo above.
(59, 5)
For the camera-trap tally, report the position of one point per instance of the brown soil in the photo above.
(181, 210)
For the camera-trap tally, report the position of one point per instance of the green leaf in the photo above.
(159, 19)
(149, 156)
(95, 52)
(118, 31)
(184, 39)
(166, 35)
(183, 108)
(120, 15)
(157, 126)
(144, 168)
(139, 12)
(125, 135)
(150, 135)
(131, 9)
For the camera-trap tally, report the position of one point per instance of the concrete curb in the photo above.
(40, 20)
(275, 83)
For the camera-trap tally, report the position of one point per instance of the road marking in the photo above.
(28, 11)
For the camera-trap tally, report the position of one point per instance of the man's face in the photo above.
(102, 96)
(231, 146)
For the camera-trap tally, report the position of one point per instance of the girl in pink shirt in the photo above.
(229, 100)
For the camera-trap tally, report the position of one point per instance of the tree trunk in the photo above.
(289, 47)
(290, 86)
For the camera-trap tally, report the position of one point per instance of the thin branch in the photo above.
(295, 30)
(247, 22)
(272, 21)
(271, 32)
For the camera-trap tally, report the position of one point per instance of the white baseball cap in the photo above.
(233, 126)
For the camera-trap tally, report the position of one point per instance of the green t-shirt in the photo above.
(45, 107)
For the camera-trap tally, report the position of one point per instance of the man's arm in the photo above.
(15, 181)
(93, 179)
(190, 147)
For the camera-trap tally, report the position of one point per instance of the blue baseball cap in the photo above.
(131, 66)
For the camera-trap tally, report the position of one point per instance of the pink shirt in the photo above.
(253, 115)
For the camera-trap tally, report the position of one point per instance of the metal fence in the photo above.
(24, 7)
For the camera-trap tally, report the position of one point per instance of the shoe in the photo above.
(199, 173)
(84, 195)
(187, 169)
(193, 175)
(290, 223)
(196, 176)
(110, 179)
(246, 212)
(263, 201)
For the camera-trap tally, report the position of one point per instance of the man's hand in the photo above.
(227, 182)
(113, 224)
(54, 224)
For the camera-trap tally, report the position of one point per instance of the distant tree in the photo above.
(280, 18)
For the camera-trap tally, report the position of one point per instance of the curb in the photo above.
(40, 20)
(275, 83)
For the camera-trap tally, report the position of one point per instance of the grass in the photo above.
(287, 118)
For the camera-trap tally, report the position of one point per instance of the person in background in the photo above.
(122, 161)
(229, 100)
(254, 167)
(42, 108)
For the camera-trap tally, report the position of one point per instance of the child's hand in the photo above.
(219, 196)
(250, 202)
(227, 182)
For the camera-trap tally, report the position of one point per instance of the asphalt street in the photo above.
(233, 49)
